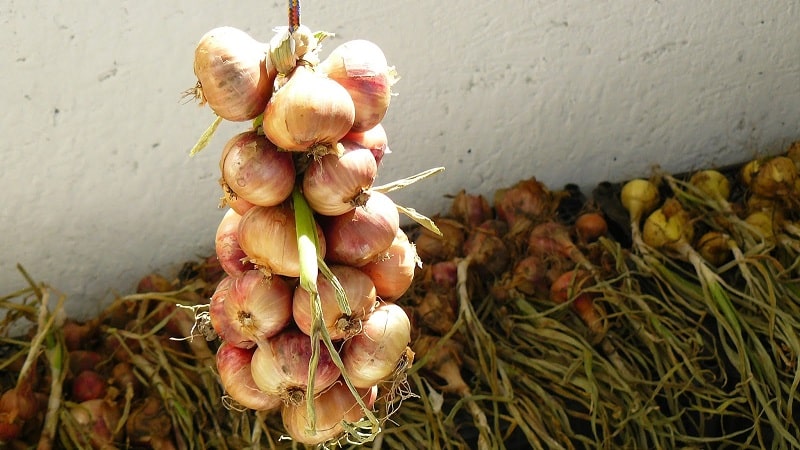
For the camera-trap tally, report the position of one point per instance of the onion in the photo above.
(712, 184)
(234, 75)
(335, 184)
(122, 376)
(471, 210)
(332, 407)
(360, 293)
(88, 385)
(97, 419)
(713, 247)
(434, 247)
(360, 66)
(553, 237)
(357, 236)
(668, 227)
(774, 178)
(590, 226)
(220, 318)
(234, 367)
(372, 356)
(529, 275)
(229, 198)
(267, 235)
(392, 270)
(252, 308)
(254, 169)
(150, 424)
(526, 201)
(374, 139)
(569, 287)
(17, 405)
(309, 110)
(226, 243)
(280, 366)
(487, 250)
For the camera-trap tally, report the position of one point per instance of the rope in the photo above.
(294, 15)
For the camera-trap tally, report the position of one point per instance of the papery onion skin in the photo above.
(357, 236)
(309, 110)
(234, 367)
(98, 419)
(220, 316)
(392, 271)
(371, 356)
(233, 72)
(374, 139)
(254, 169)
(280, 366)
(267, 234)
(258, 307)
(333, 406)
(230, 255)
(335, 184)
(360, 66)
(360, 293)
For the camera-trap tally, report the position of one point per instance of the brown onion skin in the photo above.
(335, 184)
(392, 271)
(230, 255)
(234, 74)
(310, 109)
(98, 419)
(374, 139)
(360, 67)
(254, 169)
(267, 235)
(233, 365)
(357, 236)
(333, 406)
(88, 385)
(360, 293)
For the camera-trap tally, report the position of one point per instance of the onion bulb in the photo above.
(668, 227)
(774, 178)
(254, 169)
(267, 235)
(309, 110)
(373, 355)
(357, 236)
(280, 366)
(360, 66)
(335, 184)
(392, 270)
(98, 420)
(590, 226)
(374, 139)
(712, 184)
(332, 407)
(230, 255)
(233, 365)
(234, 75)
(360, 293)
(570, 286)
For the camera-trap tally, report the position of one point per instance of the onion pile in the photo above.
(317, 139)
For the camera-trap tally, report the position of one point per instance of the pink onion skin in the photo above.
(220, 318)
(374, 139)
(356, 237)
(336, 184)
(360, 292)
(256, 171)
(392, 271)
(230, 255)
(233, 365)
(371, 356)
(267, 235)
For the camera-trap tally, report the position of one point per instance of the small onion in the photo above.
(332, 407)
(226, 243)
(360, 66)
(441, 247)
(234, 75)
(254, 169)
(98, 420)
(88, 385)
(234, 367)
(471, 210)
(360, 293)
(357, 236)
(374, 139)
(392, 270)
(335, 184)
(372, 356)
(309, 110)
(253, 308)
(280, 366)
(267, 235)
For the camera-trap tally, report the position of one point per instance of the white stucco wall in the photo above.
(100, 189)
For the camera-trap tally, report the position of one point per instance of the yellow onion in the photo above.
(774, 178)
(360, 66)
(234, 75)
(712, 184)
(668, 227)
(335, 184)
(639, 197)
(360, 293)
(373, 355)
(332, 407)
(233, 365)
(254, 169)
(267, 235)
(392, 270)
(357, 236)
(713, 247)
(310, 110)
(280, 366)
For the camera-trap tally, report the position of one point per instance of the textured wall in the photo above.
(95, 136)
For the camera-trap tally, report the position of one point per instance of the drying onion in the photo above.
(357, 236)
(372, 356)
(392, 270)
(335, 184)
(98, 420)
(374, 139)
(226, 243)
(360, 293)
(234, 367)
(267, 235)
(280, 366)
(254, 169)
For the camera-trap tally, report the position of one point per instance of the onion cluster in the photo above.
(318, 132)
